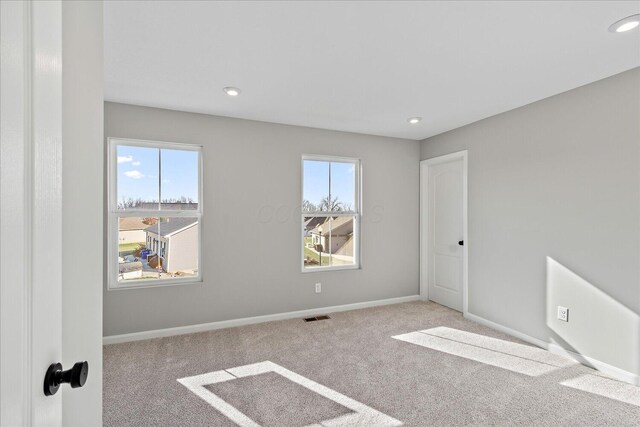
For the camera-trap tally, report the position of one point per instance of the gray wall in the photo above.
(251, 226)
(82, 210)
(559, 178)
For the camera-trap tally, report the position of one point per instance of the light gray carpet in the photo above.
(354, 354)
(270, 400)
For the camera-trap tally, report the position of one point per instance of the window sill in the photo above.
(323, 269)
(156, 284)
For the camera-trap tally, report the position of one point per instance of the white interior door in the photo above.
(445, 231)
(30, 210)
(50, 305)
(30, 206)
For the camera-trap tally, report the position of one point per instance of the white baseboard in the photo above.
(203, 327)
(508, 331)
(605, 368)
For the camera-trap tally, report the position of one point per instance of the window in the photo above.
(330, 213)
(155, 213)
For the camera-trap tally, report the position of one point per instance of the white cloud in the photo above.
(166, 181)
(135, 164)
(125, 159)
(134, 174)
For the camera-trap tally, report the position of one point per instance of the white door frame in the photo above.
(424, 222)
(30, 210)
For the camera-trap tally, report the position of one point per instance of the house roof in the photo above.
(132, 223)
(172, 226)
(313, 222)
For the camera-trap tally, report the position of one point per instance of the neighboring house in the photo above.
(175, 241)
(336, 236)
(130, 270)
(312, 222)
(131, 230)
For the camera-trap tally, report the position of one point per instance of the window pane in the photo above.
(176, 247)
(179, 179)
(137, 177)
(341, 241)
(343, 186)
(134, 248)
(316, 186)
(315, 242)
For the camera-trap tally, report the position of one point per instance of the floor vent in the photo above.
(313, 319)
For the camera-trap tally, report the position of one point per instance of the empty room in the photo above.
(320, 213)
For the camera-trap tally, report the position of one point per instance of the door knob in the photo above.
(76, 377)
(461, 242)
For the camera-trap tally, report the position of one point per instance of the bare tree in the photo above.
(130, 203)
(181, 199)
(331, 205)
(307, 206)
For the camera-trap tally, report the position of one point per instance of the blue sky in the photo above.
(316, 181)
(138, 171)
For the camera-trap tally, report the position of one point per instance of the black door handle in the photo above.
(76, 377)
(461, 242)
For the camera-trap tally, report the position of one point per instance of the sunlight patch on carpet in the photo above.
(359, 414)
(607, 387)
(503, 354)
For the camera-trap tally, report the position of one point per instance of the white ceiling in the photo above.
(361, 66)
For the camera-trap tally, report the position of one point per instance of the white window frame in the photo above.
(356, 213)
(114, 214)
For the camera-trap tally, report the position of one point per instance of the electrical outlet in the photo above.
(563, 313)
(318, 287)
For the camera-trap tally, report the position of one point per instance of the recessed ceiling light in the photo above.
(414, 120)
(231, 91)
(626, 24)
